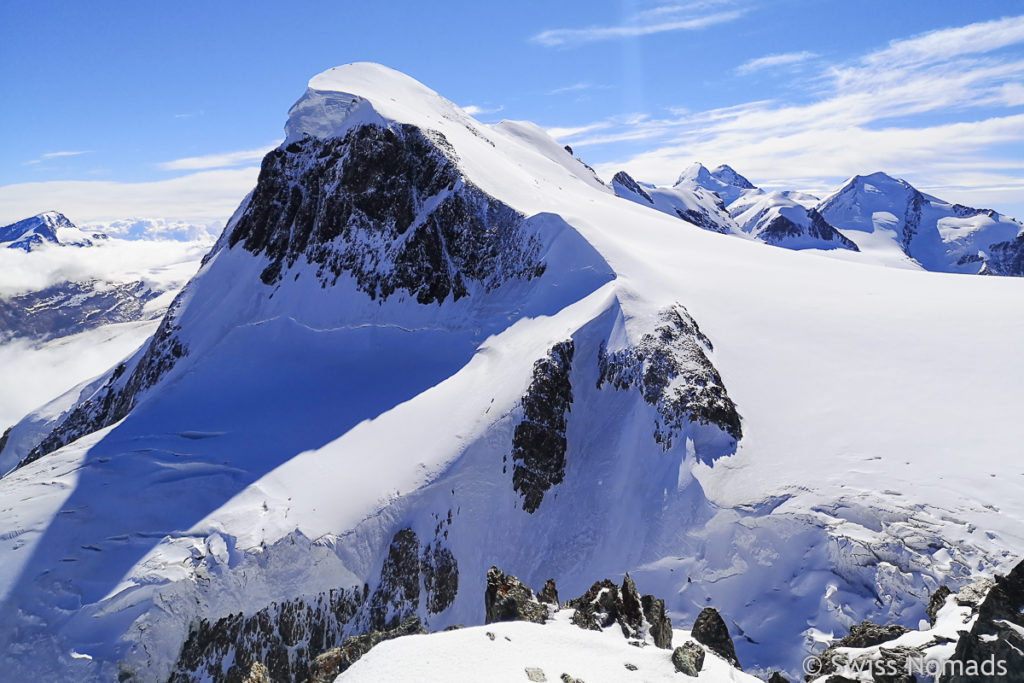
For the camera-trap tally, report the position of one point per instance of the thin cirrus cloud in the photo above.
(906, 109)
(56, 155)
(570, 37)
(577, 87)
(774, 61)
(222, 160)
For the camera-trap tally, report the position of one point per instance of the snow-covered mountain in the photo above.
(886, 219)
(723, 181)
(724, 201)
(424, 346)
(779, 219)
(67, 315)
(687, 200)
(884, 214)
(49, 228)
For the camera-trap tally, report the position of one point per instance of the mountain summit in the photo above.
(424, 346)
(882, 212)
(50, 227)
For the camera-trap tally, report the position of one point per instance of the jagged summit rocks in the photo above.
(48, 228)
(605, 604)
(996, 636)
(710, 630)
(509, 599)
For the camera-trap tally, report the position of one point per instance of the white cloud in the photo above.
(54, 155)
(222, 160)
(945, 44)
(563, 37)
(878, 112)
(474, 110)
(136, 228)
(200, 197)
(561, 133)
(575, 87)
(772, 61)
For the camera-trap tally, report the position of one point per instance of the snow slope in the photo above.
(503, 652)
(359, 355)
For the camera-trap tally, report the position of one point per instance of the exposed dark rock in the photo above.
(630, 667)
(326, 667)
(661, 625)
(776, 677)
(347, 204)
(936, 601)
(631, 616)
(598, 608)
(912, 219)
(281, 638)
(72, 307)
(627, 182)
(605, 604)
(538, 443)
(866, 634)
(549, 593)
(894, 665)
(258, 673)
(440, 577)
(781, 229)
(398, 593)
(997, 636)
(710, 630)
(509, 599)
(568, 149)
(1007, 258)
(566, 678)
(688, 658)
(670, 368)
(703, 219)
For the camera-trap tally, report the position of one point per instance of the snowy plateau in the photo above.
(424, 348)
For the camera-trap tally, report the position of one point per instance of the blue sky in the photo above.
(119, 109)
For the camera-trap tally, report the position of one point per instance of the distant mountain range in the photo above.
(886, 219)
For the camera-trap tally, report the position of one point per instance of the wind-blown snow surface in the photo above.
(284, 425)
(503, 652)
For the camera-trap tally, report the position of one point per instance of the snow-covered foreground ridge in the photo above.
(424, 346)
